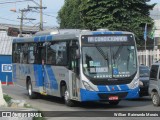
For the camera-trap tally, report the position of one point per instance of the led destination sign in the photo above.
(108, 39)
(93, 39)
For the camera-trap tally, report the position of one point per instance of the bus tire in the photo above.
(114, 102)
(31, 94)
(67, 100)
(155, 99)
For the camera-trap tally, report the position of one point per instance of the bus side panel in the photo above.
(50, 81)
(53, 76)
(15, 72)
(37, 77)
(18, 74)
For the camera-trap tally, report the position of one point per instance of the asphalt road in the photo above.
(49, 103)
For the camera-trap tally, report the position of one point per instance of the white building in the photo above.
(155, 15)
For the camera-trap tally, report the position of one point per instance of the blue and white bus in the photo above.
(78, 65)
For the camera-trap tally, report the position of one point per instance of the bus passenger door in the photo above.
(74, 67)
(42, 61)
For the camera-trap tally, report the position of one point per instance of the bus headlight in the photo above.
(134, 84)
(87, 86)
(140, 83)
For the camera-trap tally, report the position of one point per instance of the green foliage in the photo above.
(7, 98)
(119, 15)
(69, 15)
(123, 15)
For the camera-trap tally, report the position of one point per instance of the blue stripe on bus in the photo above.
(14, 73)
(46, 83)
(50, 37)
(53, 82)
(97, 33)
(36, 39)
(42, 38)
(124, 87)
(102, 88)
(118, 32)
(113, 88)
(36, 75)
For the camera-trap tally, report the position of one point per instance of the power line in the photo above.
(8, 19)
(22, 18)
(14, 1)
(44, 14)
(41, 12)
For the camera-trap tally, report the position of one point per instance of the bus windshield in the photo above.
(109, 61)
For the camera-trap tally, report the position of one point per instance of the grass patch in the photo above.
(27, 106)
(39, 118)
(7, 98)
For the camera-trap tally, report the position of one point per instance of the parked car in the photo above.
(154, 84)
(144, 79)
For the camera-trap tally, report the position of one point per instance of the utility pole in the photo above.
(41, 13)
(22, 18)
(41, 17)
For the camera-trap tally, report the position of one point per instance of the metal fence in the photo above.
(148, 57)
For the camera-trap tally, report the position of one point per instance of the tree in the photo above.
(123, 15)
(69, 15)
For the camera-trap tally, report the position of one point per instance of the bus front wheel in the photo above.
(67, 99)
(31, 94)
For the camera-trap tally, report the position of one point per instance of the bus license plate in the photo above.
(113, 97)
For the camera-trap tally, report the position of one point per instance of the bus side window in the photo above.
(40, 53)
(31, 54)
(51, 53)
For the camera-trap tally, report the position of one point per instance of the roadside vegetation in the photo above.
(8, 99)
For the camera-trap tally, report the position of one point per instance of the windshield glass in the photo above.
(109, 61)
(144, 71)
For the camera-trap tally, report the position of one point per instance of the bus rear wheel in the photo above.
(31, 94)
(67, 99)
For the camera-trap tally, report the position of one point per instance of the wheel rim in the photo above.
(154, 99)
(29, 89)
(66, 96)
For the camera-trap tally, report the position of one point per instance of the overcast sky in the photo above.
(49, 17)
(53, 6)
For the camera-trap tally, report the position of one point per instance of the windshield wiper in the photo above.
(103, 55)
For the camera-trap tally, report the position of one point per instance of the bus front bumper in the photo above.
(98, 96)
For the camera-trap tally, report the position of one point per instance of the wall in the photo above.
(5, 69)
